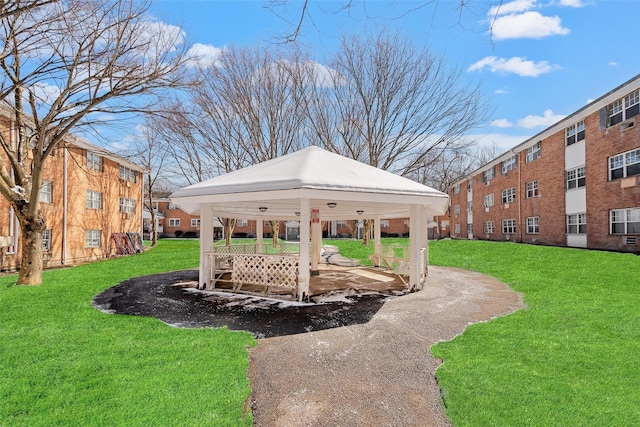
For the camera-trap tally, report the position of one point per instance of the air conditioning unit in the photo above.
(629, 240)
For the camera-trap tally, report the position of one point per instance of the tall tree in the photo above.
(66, 65)
(393, 105)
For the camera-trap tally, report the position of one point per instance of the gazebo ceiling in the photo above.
(315, 174)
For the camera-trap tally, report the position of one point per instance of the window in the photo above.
(444, 224)
(624, 108)
(534, 152)
(384, 223)
(624, 165)
(510, 164)
(575, 178)
(174, 222)
(577, 224)
(625, 221)
(489, 227)
(406, 223)
(92, 238)
(533, 225)
(94, 199)
(456, 190)
(94, 161)
(509, 195)
(195, 222)
(575, 133)
(508, 226)
(470, 206)
(341, 223)
(469, 229)
(469, 186)
(531, 188)
(46, 192)
(171, 206)
(46, 240)
(456, 229)
(128, 174)
(456, 210)
(241, 223)
(487, 176)
(127, 205)
(488, 200)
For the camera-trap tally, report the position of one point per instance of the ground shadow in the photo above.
(172, 298)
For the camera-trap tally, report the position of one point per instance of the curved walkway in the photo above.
(376, 374)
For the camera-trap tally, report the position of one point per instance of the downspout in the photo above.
(65, 203)
(519, 198)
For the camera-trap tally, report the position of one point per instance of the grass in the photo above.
(62, 362)
(569, 359)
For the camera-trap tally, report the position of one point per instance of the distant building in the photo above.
(88, 193)
(574, 184)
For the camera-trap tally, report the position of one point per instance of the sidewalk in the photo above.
(380, 373)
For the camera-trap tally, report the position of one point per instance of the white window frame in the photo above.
(195, 222)
(509, 195)
(46, 240)
(94, 161)
(341, 223)
(456, 228)
(624, 108)
(533, 225)
(384, 223)
(242, 223)
(531, 188)
(508, 226)
(92, 238)
(128, 174)
(94, 199)
(488, 200)
(623, 161)
(470, 206)
(577, 223)
(456, 210)
(489, 227)
(127, 205)
(488, 175)
(510, 164)
(46, 192)
(534, 152)
(575, 178)
(456, 189)
(575, 133)
(628, 218)
(174, 222)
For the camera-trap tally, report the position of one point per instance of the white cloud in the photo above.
(501, 123)
(501, 141)
(511, 7)
(613, 64)
(548, 119)
(570, 3)
(501, 92)
(515, 65)
(530, 24)
(204, 55)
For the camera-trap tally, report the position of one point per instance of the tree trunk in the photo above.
(229, 224)
(31, 263)
(275, 230)
(154, 227)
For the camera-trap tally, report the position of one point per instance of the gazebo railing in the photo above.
(252, 248)
(397, 258)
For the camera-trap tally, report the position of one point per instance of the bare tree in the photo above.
(393, 105)
(64, 66)
(247, 110)
(14, 7)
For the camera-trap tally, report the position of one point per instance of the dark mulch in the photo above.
(168, 298)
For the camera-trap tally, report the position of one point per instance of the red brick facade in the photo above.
(576, 183)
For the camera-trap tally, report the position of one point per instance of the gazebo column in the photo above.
(206, 245)
(259, 234)
(303, 262)
(417, 239)
(316, 242)
(377, 246)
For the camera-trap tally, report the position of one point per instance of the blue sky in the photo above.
(542, 61)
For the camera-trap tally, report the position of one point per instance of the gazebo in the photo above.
(308, 186)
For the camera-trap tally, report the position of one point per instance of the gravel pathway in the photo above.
(380, 373)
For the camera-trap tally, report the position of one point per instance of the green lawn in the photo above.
(571, 359)
(62, 362)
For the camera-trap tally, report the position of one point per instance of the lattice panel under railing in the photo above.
(252, 248)
(265, 270)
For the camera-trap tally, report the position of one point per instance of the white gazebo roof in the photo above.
(358, 190)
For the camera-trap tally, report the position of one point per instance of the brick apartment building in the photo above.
(87, 194)
(574, 184)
